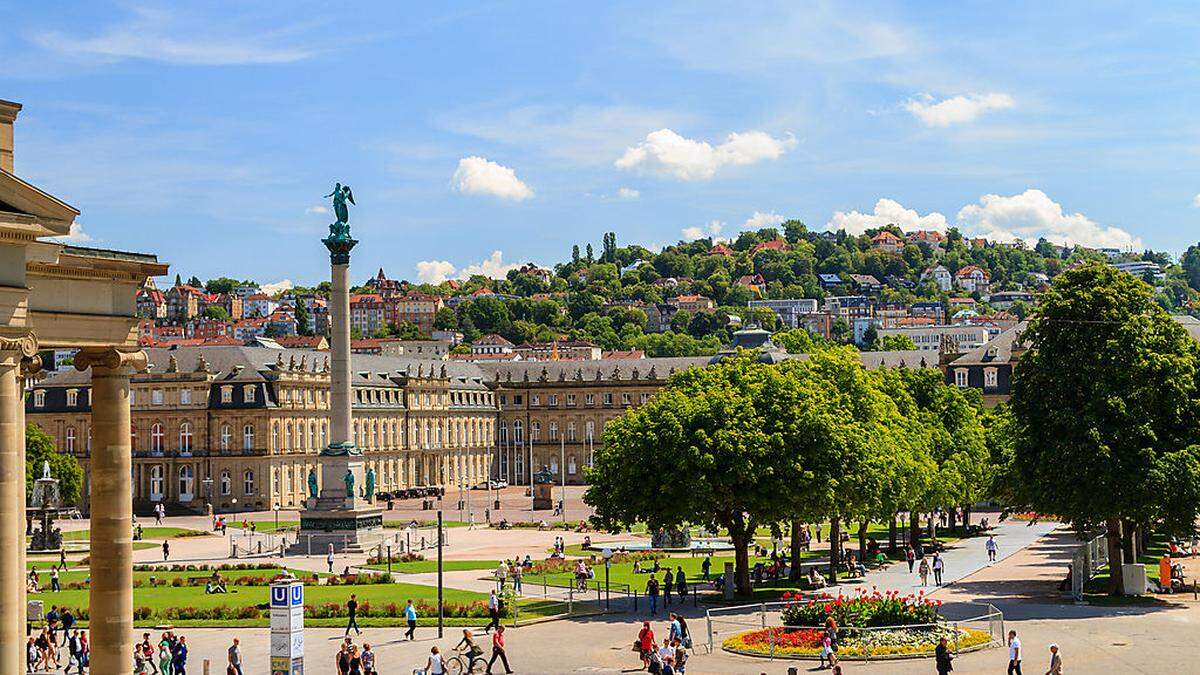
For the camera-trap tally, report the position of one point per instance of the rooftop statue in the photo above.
(341, 194)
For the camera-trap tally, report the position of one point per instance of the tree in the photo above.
(575, 254)
(870, 337)
(39, 448)
(709, 424)
(1104, 404)
(1190, 262)
(894, 343)
(445, 319)
(216, 313)
(223, 285)
(303, 318)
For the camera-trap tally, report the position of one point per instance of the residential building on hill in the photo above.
(887, 241)
(972, 279)
(940, 276)
(929, 338)
(789, 310)
(693, 303)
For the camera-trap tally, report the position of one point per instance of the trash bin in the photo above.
(496, 505)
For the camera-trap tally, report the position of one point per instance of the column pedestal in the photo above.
(111, 513)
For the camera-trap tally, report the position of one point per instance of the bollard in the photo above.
(204, 667)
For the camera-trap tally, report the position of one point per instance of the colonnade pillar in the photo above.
(13, 353)
(111, 512)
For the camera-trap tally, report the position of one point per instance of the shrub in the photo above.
(862, 610)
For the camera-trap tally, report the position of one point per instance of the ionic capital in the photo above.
(26, 345)
(112, 359)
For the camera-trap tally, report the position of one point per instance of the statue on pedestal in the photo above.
(348, 479)
(312, 483)
(370, 485)
(341, 194)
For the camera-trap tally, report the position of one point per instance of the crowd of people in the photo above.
(672, 655)
(168, 656)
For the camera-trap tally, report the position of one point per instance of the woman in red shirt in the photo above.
(646, 643)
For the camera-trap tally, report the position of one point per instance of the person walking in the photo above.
(329, 558)
(352, 614)
(910, 556)
(367, 657)
(939, 564)
(942, 657)
(680, 584)
(410, 615)
(68, 622)
(342, 659)
(493, 612)
(706, 567)
(923, 572)
(434, 665)
(147, 651)
(668, 586)
(75, 653)
(990, 546)
(55, 585)
(652, 593)
(517, 572)
(164, 655)
(645, 643)
(166, 549)
(179, 657)
(235, 658)
(498, 651)
(1014, 653)
(32, 655)
(1055, 661)
(502, 575)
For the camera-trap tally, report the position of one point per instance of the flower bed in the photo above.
(805, 643)
(864, 609)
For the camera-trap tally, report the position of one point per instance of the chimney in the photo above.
(8, 115)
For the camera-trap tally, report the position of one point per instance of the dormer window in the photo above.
(248, 393)
(72, 397)
(39, 398)
(156, 397)
(960, 377)
(989, 378)
(185, 397)
(226, 394)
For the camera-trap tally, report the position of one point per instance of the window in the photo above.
(960, 377)
(625, 400)
(312, 435)
(185, 397)
(553, 464)
(226, 484)
(324, 432)
(571, 468)
(517, 436)
(535, 399)
(503, 437)
(248, 393)
(185, 437)
(248, 437)
(535, 430)
(570, 399)
(187, 478)
(517, 398)
(588, 429)
(608, 398)
(132, 397)
(226, 434)
(589, 399)
(156, 437)
(156, 483)
(70, 439)
(72, 397)
(553, 400)
(571, 432)
(156, 397)
(644, 397)
(248, 482)
(226, 394)
(554, 431)
(989, 378)
(287, 436)
(275, 436)
(39, 398)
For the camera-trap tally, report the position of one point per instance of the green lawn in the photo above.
(147, 533)
(623, 573)
(419, 566)
(270, 526)
(1096, 590)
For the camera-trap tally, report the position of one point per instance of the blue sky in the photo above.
(208, 132)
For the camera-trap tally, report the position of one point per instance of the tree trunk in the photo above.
(862, 542)
(741, 562)
(933, 521)
(1129, 540)
(952, 518)
(892, 535)
(795, 574)
(914, 528)
(835, 542)
(1116, 585)
(966, 517)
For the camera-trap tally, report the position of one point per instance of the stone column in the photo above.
(12, 502)
(111, 513)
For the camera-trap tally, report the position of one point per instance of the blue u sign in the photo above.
(279, 596)
(297, 595)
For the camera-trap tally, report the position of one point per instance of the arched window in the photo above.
(324, 434)
(70, 436)
(287, 435)
(156, 437)
(156, 483)
(248, 437)
(312, 436)
(248, 482)
(226, 434)
(187, 481)
(571, 431)
(535, 429)
(518, 436)
(275, 436)
(226, 483)
(503, 433)
(300, 435)
(185, 437)
(571, 467)
(553, 464)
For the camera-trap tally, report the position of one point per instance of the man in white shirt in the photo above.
(1014, 653)
(991, 547)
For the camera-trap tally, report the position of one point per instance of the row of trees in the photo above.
(743, 445)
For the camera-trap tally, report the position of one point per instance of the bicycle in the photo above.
(463, 662)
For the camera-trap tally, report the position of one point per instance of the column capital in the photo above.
(111, 358)
(26, 345)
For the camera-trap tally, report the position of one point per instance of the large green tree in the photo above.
(39, 448)
(1105, 404)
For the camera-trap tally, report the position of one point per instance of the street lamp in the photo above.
(208, 494)
(608, 554)
(276, 509)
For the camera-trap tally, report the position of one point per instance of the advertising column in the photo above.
(287, 628)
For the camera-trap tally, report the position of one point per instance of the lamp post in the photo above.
(276, 509)
(208, 494)
(441, 615)
(608, 554)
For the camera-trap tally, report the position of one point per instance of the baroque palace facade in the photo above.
(240, 427)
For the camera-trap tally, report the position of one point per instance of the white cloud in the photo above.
(887, 212)
(1196, 201)
(1032, 214)
(760, 220)
(628, 193)
(76, 235)
(479, 176)
(277, 287)
(437, 271)
(162, 35)
(665, 152)
(316, 210)
(958, 109)
(709, 229)
(434, 271)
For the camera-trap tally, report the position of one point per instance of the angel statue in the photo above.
(341, 194)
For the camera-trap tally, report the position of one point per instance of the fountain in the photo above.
(45, 504)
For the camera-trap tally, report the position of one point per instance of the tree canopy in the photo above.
(39, 448)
